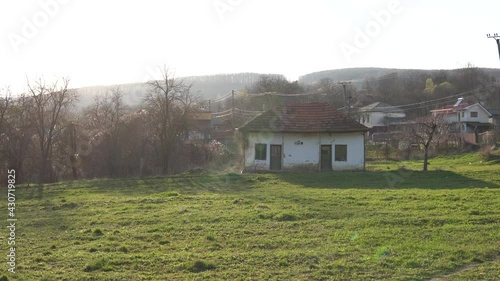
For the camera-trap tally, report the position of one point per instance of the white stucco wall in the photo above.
(355, 150)
(482, 116)
(450, 118)
(263, 137)
(378, 118)
(306, 153)
(301, 151)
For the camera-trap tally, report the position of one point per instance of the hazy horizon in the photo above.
(107, 43)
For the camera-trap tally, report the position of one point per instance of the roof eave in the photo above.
(302, 131)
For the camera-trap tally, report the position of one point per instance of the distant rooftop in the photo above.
(494, 111)
(380, 107)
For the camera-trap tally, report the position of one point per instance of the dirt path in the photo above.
(464, 268)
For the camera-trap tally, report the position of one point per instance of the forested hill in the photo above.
(358, 75)
(209, 87)
(215, 86)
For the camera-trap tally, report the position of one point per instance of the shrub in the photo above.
(285, 217)
(99, 264)
(200, 266)
(485, 153)
(123, 249)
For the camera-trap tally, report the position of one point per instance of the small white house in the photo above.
(380, 114)
(474, 119)
(303, 137)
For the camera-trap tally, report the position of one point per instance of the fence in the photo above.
(488, 138)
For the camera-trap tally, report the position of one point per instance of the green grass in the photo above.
(391, 222)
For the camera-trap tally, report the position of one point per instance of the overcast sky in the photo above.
(109, 42)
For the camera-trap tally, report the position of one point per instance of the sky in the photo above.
(111, 42)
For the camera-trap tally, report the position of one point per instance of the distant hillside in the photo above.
(214, 86)
(209, 87)
(358, 75)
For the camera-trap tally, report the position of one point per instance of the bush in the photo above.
(99, 264)
(485, 153)
(200, 266)
(285, 217)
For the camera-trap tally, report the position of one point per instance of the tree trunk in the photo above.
(74, 170)
(165, 161)
(426, 156)
(43, 169)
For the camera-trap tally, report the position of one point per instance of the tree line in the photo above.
(45, 139)
(394, 88)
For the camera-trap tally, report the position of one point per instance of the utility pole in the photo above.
(346, 99)
(497, 38)
(209, 105)
(232, 107)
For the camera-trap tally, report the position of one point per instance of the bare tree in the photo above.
(4, 105)
(334, 93)
(169, 103)
(423, 131)
(16, 135)
(49, 105)
(106, 117)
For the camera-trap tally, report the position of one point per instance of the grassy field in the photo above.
(391, 222)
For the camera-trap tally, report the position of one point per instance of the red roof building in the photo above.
(303, 137)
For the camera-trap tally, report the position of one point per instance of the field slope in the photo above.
(388, 223)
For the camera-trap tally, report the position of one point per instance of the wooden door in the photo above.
(276, 157)
(326, 158)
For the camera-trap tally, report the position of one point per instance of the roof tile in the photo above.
(310, 117)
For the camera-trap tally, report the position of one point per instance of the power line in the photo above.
(222, 116)
(249, 111)
(471, 92)
(243, 111)
(221, 112)
(406, 107)
(228, 95)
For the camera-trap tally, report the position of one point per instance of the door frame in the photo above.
(321, 157)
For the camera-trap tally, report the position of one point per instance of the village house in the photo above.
(303, 137)
(495, 118)
(222, 130)
(378, 117)
(379, 114)
(465, 118)
(200, 126)
(474, 119)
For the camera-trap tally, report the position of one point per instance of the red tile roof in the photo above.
(310, 117)
(450, 109)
